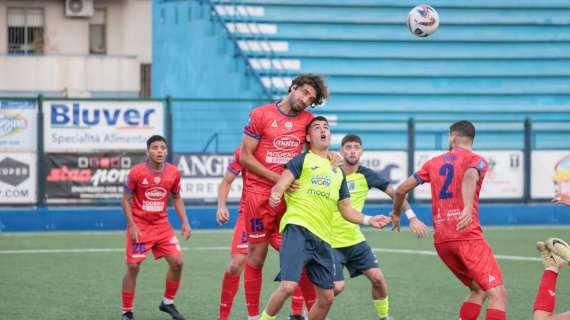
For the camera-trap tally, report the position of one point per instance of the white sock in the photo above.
(253, 317)
(167, 301)
(554, 269)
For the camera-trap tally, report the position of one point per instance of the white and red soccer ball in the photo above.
(423, 20)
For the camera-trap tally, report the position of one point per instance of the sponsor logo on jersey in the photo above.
(155, 194)
(286, 142)
(320, 180)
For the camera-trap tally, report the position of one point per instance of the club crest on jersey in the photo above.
(351, 185)
(274, 124)
(156, 180)
(288, 125)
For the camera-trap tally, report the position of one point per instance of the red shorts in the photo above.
(471, 260)
(161, 239)
(239, 241)
(261, 220)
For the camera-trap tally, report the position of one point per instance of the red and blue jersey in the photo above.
(281, 138)
(235, 166)
(150, 190)
(445, 174)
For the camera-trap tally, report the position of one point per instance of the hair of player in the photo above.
(317, 118)
(351, 138)
(154, 138)
(463, 128)
(314, 81)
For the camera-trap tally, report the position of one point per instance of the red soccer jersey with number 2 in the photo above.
(281, 138)
(445, 174)
(150, 191)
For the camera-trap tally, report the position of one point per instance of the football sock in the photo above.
(252, 278)
(546, 296)
(494, 314)
(382, 307)
(170, 291)
(469, 311)
(265, 316)
(128, 298)
(230, 286)
(308, 289)
(297, 302)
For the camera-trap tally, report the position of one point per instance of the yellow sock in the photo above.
(265, 316)
(382, 307)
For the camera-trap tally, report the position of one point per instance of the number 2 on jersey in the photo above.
(447, 171)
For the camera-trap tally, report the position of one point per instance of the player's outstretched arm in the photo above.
(355, 216)
(468, 188)
(416, 225)
(223, 214)
(561, 198)
(126, 203)
(181, 211)
(284, 182)
(399, 198)
(248, 160)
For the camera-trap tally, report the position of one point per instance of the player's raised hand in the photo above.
(274, 199)
(222, 215)
(561, 198)
(335, 159)
(465, 219)
(134, 232)
(294, 186)
(395, 222)
(418, 228)
(379, 221)
(186, 231)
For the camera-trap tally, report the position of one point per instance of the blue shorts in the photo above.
(302, 249)
(357, 259)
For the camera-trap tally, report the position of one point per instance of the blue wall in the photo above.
(64, 219)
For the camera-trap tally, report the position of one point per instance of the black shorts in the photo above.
(357, 259)
(302, 249)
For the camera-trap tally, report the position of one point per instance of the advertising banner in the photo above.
(504, 179)
(87, 178)
(202, 174)
(100, 125)
(18, 125)
(391, 165)
(18, 178)
(550, 171)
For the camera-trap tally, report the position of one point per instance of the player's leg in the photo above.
(339, 263)
(471, 307)
(136, 253)
(320, 269)
(320, 309)
(168, 247)
(546, 296)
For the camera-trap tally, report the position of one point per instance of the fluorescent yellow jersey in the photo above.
(321, 187)
(345, 233)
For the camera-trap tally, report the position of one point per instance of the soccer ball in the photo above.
(423, 20)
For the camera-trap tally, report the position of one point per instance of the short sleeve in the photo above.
(480, 164)
(295, 165)
(343, 192)
(176, 185)
(254, 127)
(422, 175)
(374, 179)
(131, 183)
(235, 167)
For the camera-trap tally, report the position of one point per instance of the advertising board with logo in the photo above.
(18, 178)
(504, 178)
(18, 125)
(391, 165)
(201, 175)
(88, 177)
(100, 125)
(550, 172)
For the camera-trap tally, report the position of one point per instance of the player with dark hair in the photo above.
(351, 251)
(145, 205)
(456, 178)
(274, 135)
(307, 223)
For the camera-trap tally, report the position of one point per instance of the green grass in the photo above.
(87, 285)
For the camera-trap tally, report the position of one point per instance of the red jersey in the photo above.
(281, 138)
(150, 191)
(234, 166)
(445, 174)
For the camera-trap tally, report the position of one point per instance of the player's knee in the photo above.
(378, 282)
(326, 298)
(498, 295)
(133, 268)
(235, 268)
(288, 287)
(338, 287)
(177, 265)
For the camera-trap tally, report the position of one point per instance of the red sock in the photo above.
(546, 296)
(128, 298)
(469, 311)
(494, 314)
(170, 289)
(297, 302)
(252, 278)
(309, 292)
(230, 287)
